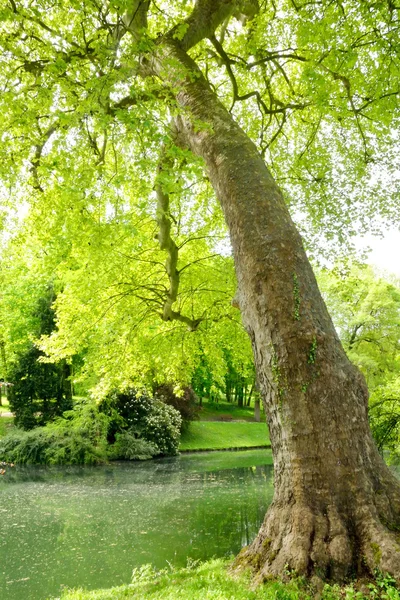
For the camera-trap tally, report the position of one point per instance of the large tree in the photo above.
(100, 96)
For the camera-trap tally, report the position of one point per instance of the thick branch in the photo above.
(135, 19)
(35, 162)
(207, 16)
(168, 244)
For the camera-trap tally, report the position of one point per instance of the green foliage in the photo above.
(365, 308)
(366, 311)
(313, 352)
(184, 403)
(128, 446)
(212, 581)
(41, 391)
(385, 416)
(147, 418)
(143, 428)
(162, 426)
(80, 438)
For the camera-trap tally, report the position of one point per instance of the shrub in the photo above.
(186, 404)
(145, 418)
(41, 391)
(129, 447)
(163, 427)
(147, 428)
(80, 438)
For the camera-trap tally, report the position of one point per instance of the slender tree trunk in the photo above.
(257, 417)
(228, 390)
(336, 506)
(4, 364)
(239, 392)
(250, 395)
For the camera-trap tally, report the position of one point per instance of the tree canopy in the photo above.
(123, 122)
(124, 218)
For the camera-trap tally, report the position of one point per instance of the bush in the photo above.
(40, 391)
(129, 447)
(145, 418)
(80, 438)
(186, 404)
(141, 429)
(163, 427)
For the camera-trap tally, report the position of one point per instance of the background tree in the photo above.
(311, 89)
(41, 390)
(365, 308)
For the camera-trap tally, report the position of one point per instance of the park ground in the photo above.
(221, 426)
(212, 580)
(224, 426)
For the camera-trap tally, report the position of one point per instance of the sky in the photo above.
(385, 252)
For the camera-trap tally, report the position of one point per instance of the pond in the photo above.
(90, 527)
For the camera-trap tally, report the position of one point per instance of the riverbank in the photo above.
(222, 426)
(220, 435)
(209, 580)
(212, 581)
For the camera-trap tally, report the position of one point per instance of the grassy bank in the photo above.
(4, 407)
(211, 581)
(6, 425)
(217, 435)
(227, 411)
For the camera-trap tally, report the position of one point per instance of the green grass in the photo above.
(5, 406)
(212, 581)
(224, 411)
(6, 425)
(209, 581)
(216, 435)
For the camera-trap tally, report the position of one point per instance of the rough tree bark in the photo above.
(336, 506)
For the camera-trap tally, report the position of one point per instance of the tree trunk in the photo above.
(336, 506)
(257, 409)
(250, 395)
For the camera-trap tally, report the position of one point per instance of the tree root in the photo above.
(330, 545)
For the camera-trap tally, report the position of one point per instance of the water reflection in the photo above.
(90, 526)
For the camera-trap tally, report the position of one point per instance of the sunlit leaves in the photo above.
(314, 84)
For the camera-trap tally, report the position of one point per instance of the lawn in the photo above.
(209, 581)
(227, 411)
(217, 435)
(6, 424)
(4, 407)
(212, 581)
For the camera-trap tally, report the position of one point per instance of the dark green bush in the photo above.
(145, 418)
(186, 403)
(129, 447)
(41, 391)
(80, 438)
(147, 428)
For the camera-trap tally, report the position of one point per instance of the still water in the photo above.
(90, 526)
